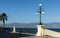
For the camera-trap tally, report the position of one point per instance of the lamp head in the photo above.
(40, 4)
(43, 12)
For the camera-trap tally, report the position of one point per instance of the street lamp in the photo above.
(40, 12)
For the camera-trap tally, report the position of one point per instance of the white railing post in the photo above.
(14, 29)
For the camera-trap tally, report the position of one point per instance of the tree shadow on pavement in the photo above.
(12, 35)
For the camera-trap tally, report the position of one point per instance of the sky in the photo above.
(24, 11)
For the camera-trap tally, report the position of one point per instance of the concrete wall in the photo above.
(51, 33)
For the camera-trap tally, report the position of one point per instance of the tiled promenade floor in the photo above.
(17, 35)
(39, 37)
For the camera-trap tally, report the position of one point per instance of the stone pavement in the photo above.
(18, 35)
(39, 37)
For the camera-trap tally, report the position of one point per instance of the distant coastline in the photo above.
(32, 25)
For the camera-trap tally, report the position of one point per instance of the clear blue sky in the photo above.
(23, 11)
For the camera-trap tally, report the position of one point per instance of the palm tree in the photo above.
(3, 17)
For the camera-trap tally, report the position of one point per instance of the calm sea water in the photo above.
(29, 30)
(55, 29)
(24, 30)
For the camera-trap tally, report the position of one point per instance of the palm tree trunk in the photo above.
(3, 23)
(3, 26)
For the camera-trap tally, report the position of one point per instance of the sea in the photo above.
(29, 30)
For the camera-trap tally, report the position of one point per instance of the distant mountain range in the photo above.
(32, 25)
(52, 25)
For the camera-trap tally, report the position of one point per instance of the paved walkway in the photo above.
(18, 35)
(38, 37)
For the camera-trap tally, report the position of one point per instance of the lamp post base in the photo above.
(39, 30)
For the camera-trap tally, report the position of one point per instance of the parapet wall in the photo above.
(51, 33)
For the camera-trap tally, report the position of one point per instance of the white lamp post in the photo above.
(40, 25)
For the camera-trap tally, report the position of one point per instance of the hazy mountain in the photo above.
(32, 25)
(52, 25)
(22, 25)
